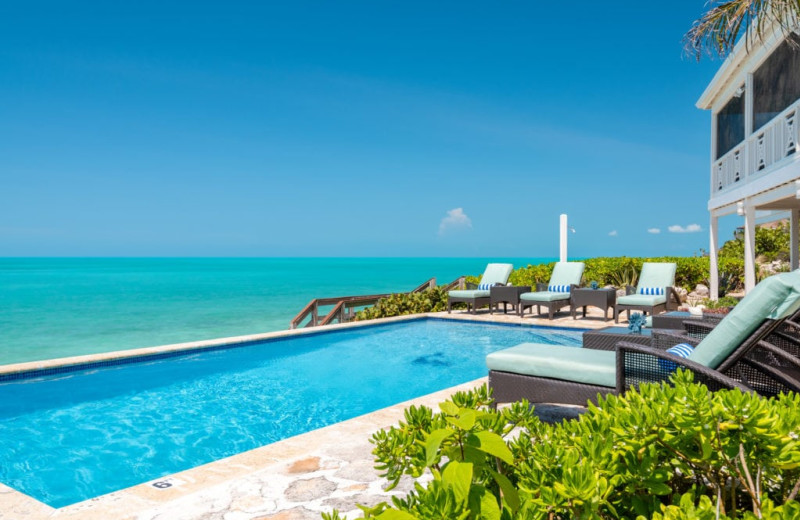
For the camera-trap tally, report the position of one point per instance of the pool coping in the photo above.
(132, 501)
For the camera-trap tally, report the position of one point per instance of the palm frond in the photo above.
(718, 30)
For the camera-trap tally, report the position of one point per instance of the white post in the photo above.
(749, 246)
(793, 239)
(713, 251)
(563, 242)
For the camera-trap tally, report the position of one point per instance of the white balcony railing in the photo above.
(754, 156)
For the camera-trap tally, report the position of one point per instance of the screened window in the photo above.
(730, 124)
(776, 83)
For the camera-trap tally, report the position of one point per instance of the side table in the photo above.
(675, 319)
(506, 294)
(602, 298)
(607, 338)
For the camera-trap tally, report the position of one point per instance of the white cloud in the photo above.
(654, 230)
(455, 219)
(691, 228)
(612, 233)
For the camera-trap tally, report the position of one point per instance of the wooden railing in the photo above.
(345, 306)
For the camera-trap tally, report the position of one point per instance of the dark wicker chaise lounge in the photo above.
(556, 293)
(495, 274)
(559, 374)
(654, 293)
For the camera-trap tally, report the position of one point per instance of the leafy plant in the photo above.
(662, 451)
(725, 301)
(430, 300)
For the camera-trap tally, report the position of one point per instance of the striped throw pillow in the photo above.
(558, 288)
(485, 286)
(682, 350)
(651, 291)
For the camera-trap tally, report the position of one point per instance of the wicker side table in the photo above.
(506, 294)
(602, 298)
(607, 338)
(675, 319)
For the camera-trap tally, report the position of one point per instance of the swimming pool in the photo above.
(78, 434)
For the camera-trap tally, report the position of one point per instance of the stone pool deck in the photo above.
(296, 478)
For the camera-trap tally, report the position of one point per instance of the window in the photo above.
(776, 83)
(730, 124)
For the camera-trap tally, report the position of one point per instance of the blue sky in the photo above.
(351, 129)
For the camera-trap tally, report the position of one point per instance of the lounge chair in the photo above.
(772, 366)
(560, 374)
(556, 293)
(477, 296)
(654, 292)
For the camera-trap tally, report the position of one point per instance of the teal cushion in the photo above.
(567, 273)
(657, 274)
(641, 299)
(543, 296)
(776, 296)
(497, 273)
(468, 294)
(579, 365)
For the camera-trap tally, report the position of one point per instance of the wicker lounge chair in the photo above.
(559, 374)
(770, 367)
(654, 292)
(556, 293)
(477, 296)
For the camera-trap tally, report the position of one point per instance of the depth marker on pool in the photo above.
(167, 483)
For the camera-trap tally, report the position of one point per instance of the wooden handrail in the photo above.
(459, 283)
(332, 315)
(312, 305)
(430, 284)
(343, 303)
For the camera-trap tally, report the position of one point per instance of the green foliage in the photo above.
(664, 452)
(724, 301)
(532, 274)
(773, 243)
(430, 300)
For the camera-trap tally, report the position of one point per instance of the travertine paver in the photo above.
(296, 478)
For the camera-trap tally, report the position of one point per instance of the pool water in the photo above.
(76, 435)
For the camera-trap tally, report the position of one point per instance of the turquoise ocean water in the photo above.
(56, 307)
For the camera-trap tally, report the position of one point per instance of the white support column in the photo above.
(713, 251)
(563, 243)
(793, 239)
(713, 168)
(749, 246)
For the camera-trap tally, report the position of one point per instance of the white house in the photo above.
(754, 100)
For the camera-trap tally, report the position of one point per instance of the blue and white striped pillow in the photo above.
(682, 350)
(558, 288)
(651, 291)
(485, 286)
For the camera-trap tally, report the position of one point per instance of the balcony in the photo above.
(766, 150)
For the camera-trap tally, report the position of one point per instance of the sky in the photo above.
(352, 129)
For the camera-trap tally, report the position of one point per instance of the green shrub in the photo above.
(662, 452)
(430, 300)
(532, 274)
(725, 301)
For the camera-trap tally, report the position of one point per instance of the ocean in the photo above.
(57, 307)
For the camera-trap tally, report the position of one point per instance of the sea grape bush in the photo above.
(665, 451)
(429, 300)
